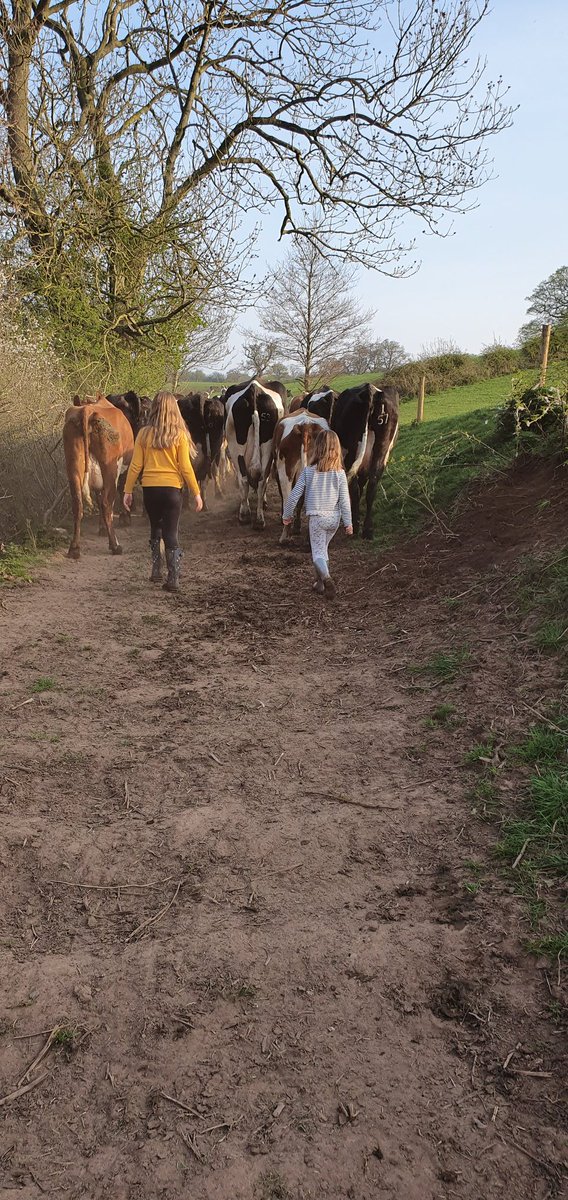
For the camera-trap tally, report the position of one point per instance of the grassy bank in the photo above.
(434, 462)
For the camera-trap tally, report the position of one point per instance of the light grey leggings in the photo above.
(322, 529)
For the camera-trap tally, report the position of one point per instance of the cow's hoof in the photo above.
(258, 524)
(74, 553)
(115, 549)
(244, 518)
(367, 534)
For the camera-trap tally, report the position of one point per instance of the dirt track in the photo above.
(323, 993)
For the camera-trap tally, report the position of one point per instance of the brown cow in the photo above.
(293, 439)
(98, 444)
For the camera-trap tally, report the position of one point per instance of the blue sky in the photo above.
(471, 286)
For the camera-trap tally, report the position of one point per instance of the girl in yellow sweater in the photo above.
(162, 456)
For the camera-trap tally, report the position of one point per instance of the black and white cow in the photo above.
(365, 419)
(136, 408)
(205, 420)
(252, 411)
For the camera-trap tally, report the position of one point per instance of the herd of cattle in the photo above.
(250, 428)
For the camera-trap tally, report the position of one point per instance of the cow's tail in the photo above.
(256, 465)
(85, 489)
(307, 438)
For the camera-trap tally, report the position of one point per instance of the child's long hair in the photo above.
(326, 453)
(165, 423)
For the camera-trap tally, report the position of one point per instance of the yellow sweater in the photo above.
(161, 468)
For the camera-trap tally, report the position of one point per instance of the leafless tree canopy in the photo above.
(138, 131)
(383, 355)
(310, 310)
(259, 355)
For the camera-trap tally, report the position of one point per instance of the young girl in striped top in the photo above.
(326, 502)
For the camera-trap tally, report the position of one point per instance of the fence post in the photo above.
(420, 409)
(544, 348)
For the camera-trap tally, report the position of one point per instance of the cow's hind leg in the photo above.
(244, 506)
(355, 494)
(75, 489)
(259, 520)
(370, 503)
(123, 513)
(102, 522)
(108, 496)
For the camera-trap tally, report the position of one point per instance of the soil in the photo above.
(233, 854)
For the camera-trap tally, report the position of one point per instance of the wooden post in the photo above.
(420, 409)
(544, 348)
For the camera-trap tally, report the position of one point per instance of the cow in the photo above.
(319, 402)
(365, 419)
(98, 444)
(252, 411)
(136, 408)
(293, 439)
(205, 420)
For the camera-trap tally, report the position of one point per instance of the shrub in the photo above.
(540, 409)
(452, 369)
(500, 360)
(32, 401)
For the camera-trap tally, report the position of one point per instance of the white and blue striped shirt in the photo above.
(326, 495)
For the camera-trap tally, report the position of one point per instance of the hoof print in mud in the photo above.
(451, 1001)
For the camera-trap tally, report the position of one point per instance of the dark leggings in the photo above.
(163, 505)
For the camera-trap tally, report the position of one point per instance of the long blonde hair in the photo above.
(326, 453)
(166, 422)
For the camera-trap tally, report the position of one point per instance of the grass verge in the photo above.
(533, 843)
(17, 563)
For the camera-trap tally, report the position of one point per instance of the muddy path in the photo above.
(233, 858)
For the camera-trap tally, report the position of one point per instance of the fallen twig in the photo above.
(190, 1142)
(215, 759)
(20, 1037)
(44, 1050)
(356, 803)
(520, 854)
(21, 1091)
(180, 1104)
(541, 717)
(110, 887)
(510, 1055)
(21, 704)
(158, 916)
(533, 1074)
(421, 783)
(552, 1168)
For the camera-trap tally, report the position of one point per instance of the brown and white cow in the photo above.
(98, 444)
(293, 439)
(252, 412)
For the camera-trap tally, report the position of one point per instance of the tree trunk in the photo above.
(23, 33)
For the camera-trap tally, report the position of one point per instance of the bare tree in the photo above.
(259, 355)
(382, 355)
(137, 132)
(309, 309)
